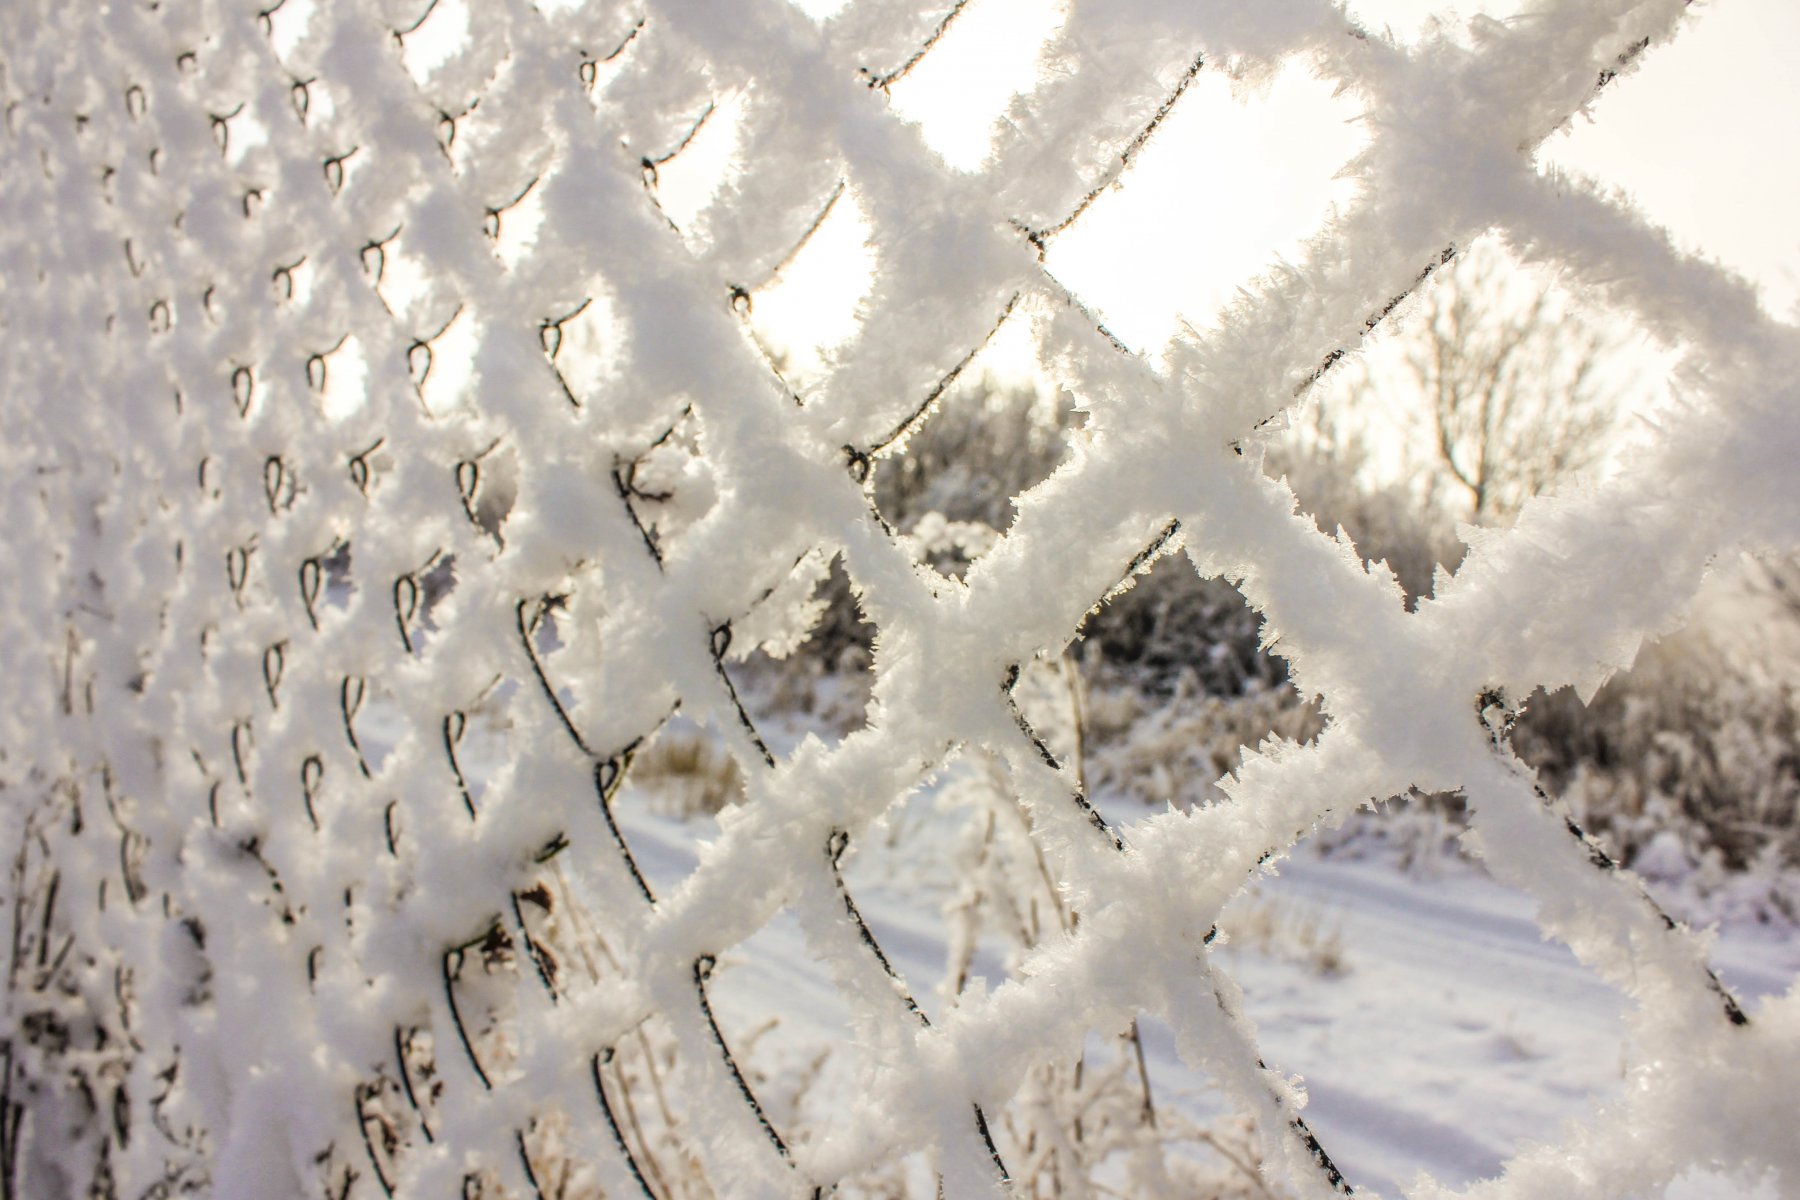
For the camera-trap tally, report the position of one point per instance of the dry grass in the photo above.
(687, 773)
(1175, 749)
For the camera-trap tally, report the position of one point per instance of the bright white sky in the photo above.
(1699, 137)
(1702, 137)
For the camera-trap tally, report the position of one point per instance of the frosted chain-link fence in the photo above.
(383, 466)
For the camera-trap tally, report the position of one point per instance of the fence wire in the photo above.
(387, 466)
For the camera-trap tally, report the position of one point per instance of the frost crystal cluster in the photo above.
(385, 463)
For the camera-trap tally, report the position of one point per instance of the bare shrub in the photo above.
(1688, 741)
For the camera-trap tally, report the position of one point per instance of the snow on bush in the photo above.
(392, 452)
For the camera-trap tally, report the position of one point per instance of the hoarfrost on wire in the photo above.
(368, 418)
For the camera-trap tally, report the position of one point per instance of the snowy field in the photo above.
(1435, 1028)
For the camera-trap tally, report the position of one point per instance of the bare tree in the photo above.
(1522, 387)
(1502, 386)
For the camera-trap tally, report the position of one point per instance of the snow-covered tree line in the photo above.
(389, 464)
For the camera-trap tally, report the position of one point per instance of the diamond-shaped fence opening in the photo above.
(1675, 163)
(327, 677)
(1225, 183)
(1487, 385)
(801, 657)
(947, 479)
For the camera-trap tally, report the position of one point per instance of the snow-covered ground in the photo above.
(1435, 1028)
(1456, 1031)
